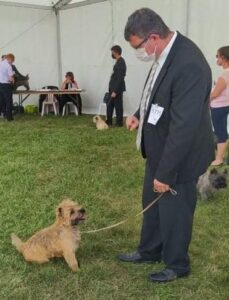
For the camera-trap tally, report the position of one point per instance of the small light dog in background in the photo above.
(60, 239)
(100, 123)
(210, 182)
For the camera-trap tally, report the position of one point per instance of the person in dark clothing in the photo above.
(2, 104)
(69, 84)
(116, 87)
(174, 136)
(6, 88)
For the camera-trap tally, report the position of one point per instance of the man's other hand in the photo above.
(132, 123)
(113, 95)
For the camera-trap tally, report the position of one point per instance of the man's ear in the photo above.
(154, 36)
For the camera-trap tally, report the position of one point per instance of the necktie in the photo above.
(144, 103)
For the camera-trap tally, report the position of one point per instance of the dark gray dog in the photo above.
(210, 182)
(20, 80)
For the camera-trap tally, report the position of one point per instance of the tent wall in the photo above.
(98, 26)
(87, 34)
(208, 28)
(86, 39)
(31, 35)
(137, 71)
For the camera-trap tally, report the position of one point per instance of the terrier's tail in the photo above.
(17, 242)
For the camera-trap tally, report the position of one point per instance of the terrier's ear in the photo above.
(59, 211)
(213, 171)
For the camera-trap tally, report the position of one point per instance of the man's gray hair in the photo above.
(143, 22)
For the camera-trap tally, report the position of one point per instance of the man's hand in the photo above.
(113, 95)
(12, 79)
(160, 187)
(132, 123)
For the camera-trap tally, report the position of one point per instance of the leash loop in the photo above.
(173, 192)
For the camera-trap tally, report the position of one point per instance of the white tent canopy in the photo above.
(50, 3)
(78, 36)
(34, 2)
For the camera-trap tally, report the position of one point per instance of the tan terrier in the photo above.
(100, 123)
(60, 239)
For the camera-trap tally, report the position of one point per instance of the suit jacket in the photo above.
(180, 147)
(117, 82)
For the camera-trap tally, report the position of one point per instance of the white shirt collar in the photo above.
(166, 51)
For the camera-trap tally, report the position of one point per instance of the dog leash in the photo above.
(172, 191)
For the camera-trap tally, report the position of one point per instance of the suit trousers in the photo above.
(167, 226)
(6, 97)
(116, 103)
(2, 105)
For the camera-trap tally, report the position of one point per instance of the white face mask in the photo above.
(142, 55)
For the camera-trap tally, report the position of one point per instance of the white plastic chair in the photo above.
(50, 100)
(67, 109)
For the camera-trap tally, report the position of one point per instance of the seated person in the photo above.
(70, 84)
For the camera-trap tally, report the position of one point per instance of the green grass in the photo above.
(46, 159)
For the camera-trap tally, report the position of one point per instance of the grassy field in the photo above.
(46, 159)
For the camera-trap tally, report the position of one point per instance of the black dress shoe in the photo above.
(135, 257)
(10, 119)
(166, 275)
(108, 123)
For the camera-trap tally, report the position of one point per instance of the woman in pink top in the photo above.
(220, 105)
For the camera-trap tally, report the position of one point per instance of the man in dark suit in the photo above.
(116, 87)
(174, 136)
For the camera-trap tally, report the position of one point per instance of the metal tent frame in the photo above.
(57, 7)
(66, 4)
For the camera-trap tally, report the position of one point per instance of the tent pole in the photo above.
(56, 8)
(188, 4)
(59, 56)
(112, 21)
(60, 4)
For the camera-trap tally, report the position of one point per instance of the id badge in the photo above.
(155, 114)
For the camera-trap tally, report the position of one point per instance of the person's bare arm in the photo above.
(76, 84)
(219, 87)
(10, 74)
(62, 87)
(11, 79)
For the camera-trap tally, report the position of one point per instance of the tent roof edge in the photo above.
(25, 5)
(80, 4)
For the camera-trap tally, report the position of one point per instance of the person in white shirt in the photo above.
(6, 80)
